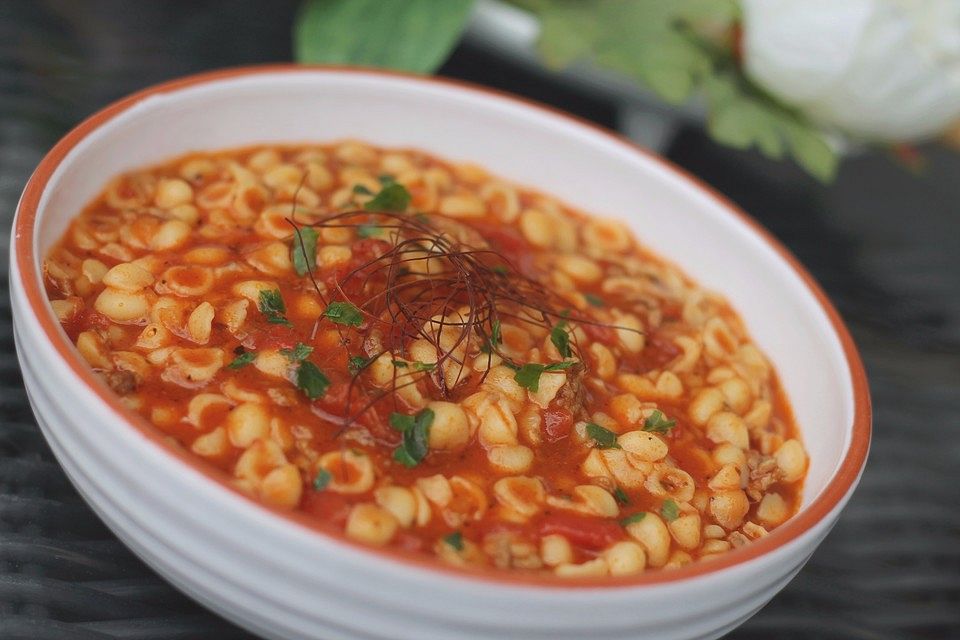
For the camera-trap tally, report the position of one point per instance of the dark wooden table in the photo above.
(884, 243)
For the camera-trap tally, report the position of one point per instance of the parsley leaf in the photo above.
(322, 480)
(272, 307)
(402, 422)
(368, 231)
(299, 353)
(529, 374)
(416, 434)
(361, 190)
(356, 364)
(656, 422)
(455, 540)
(399, 364)
(242, 360)
(311, 381)
(344, 313)
(637, 517)
(621, 496)
(304, 251)
(494, 339)
(669, 510)
(500, 270)
(604, 438)
(393, 197)
(561, 339)
(592, 300)
(386, 179)
(424, 366)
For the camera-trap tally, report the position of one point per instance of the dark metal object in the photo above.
(885, 244)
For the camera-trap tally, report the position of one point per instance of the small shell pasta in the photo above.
(428, 357)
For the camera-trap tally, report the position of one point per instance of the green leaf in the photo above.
(742, 116)
(242, 360)
(311, 381)
(656, 422)
(272, 307)
(304, 251)
(399, 364)
(356, 364)
(385, 178)
(561, 339)
(455, 540)
(812, 152)
(413, 35)
(416, 434)
(568, 31)
(637, 517)
(529, 374)
(424, 366)
(669, 510)
(621, 496)
(604, 438)
(676, 49)
(494, 339)
(401, 455)
(401, 422)
(361, 190)
(368, 231)
(299, 353)
(593, 301)
(394, 198)
(344, 313)
(322, 480)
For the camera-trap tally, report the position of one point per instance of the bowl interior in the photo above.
(534, 147)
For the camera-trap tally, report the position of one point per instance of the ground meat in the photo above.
(122, 382)
(764, 472)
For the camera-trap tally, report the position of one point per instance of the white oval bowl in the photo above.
(278, 576)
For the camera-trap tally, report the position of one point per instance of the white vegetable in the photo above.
(885, 70)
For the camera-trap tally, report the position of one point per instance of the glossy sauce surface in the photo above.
(662, 436)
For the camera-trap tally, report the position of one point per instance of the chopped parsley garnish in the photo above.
(656, 422)
(356, 364)
(393, 197)
(299, 353)
(361, 190)
(304, 252)
(560, 338)
(455, 540)
(529, 374)
(311, 381)
(494, 339)
(637, 517)
(500, 269)
(368, 230)
(344, 313)
(272, 307)
(416, 366)
(386, 179)
(322, 480)
(242, 360)
(604, 438)
(416, 433)
(669, 510)
(621, 496)
(594, 301)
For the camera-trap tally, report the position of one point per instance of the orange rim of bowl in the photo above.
(842, 482)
